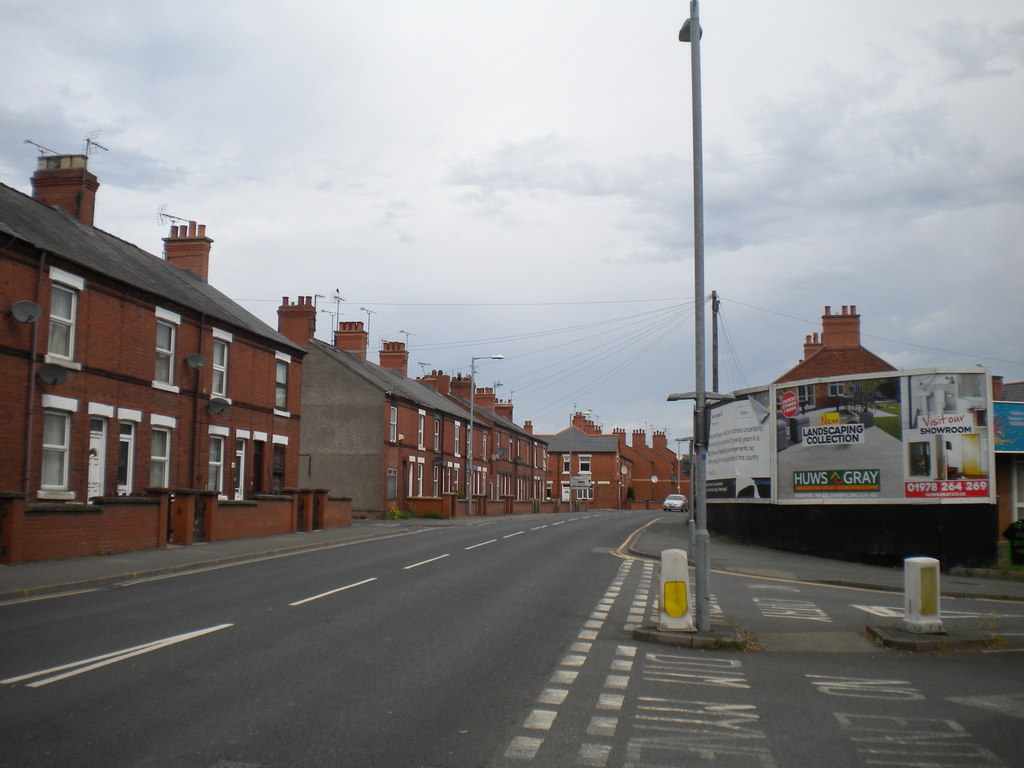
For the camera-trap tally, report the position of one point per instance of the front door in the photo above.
(97, 455)
(239, 481)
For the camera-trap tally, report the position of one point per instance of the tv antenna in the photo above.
(89, 142)
(337, 299)
(423, 368)
(407, 335)
(42, 150)
(163, 216)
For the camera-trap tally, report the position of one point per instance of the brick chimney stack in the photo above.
(188, 248)
(297, 322)
(504, 409)
(395, 357)
(439, 380)
(461, 386)
(352, 337)
(639, 438)
(64, 181)
(841, 331)
(485, 397)
(811, 344)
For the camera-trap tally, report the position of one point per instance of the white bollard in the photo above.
(921, 595)
(676, 612)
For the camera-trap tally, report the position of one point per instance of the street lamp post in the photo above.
(691, 33)
(469, 432)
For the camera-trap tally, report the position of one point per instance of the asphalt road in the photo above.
(496, 645)
(422, 649)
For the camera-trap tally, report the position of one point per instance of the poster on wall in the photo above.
(1008, 427)
(739, 449)
(842, 442)
(946, 433)
(914, 436)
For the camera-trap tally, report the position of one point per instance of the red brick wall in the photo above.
(57, 531)
(115, 346)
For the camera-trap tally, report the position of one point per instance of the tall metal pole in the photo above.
(469, 439)
(714, 341)
(691, 33)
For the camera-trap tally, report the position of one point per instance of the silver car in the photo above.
(674, 502)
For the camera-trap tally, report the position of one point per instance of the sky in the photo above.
(514, 177)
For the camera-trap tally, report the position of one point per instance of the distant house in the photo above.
(836, 352)
(586, 466)
(122, 371)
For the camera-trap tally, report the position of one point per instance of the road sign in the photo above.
(790, 405)
(579, 482)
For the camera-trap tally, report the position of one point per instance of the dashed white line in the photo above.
(517, 533)
(424, 562)
(481, 544)
(332, 591)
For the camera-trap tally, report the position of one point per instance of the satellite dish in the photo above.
(51, 373)
(195, 360)
(218, 405)
(26, 311)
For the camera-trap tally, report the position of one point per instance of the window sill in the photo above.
(57, 495)
(166, 387)
(283, 414)
(63, 362)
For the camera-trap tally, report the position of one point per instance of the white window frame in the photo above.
(566, 463)
(437, 434)
(215, 465)
(126, 435)
(458, 438)
(281, 401)
(420, 429)
(585, 461)
(160, 463)
(393, 424)
(69, 322)
(219, 376)
(61, 451)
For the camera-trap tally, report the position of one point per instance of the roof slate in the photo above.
(829, 361)
(51, 229)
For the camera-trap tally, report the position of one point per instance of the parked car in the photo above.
(674, 502)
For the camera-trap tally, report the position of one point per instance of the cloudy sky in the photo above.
(514, 176)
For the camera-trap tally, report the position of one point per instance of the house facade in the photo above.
(396, 444)
(121, 371)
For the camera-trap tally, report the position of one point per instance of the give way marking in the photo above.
(88, 665)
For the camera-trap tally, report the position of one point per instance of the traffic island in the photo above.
(719, 638)
(897, 638)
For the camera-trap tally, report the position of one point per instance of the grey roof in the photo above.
(500, 421)
(51, 229)
(389, 381)
(1013, 392)
(582, 442)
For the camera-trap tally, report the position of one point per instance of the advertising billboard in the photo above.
(844, 442)
(740, 449)
(1008, 427)
(913, 437)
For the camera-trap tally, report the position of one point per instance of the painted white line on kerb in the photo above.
(332, 592)
(517, 533)
(481, 544)
(87, 665)
(424, 562)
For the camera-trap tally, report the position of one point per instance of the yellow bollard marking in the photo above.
(674, 598)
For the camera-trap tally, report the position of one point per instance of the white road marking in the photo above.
(523, 748)
(481, 544)
(424, 562)
(35, 598)
(333, 591)
(95, 662)
(540, 720)
(517, 533)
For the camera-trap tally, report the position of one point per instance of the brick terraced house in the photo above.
(121, 371)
